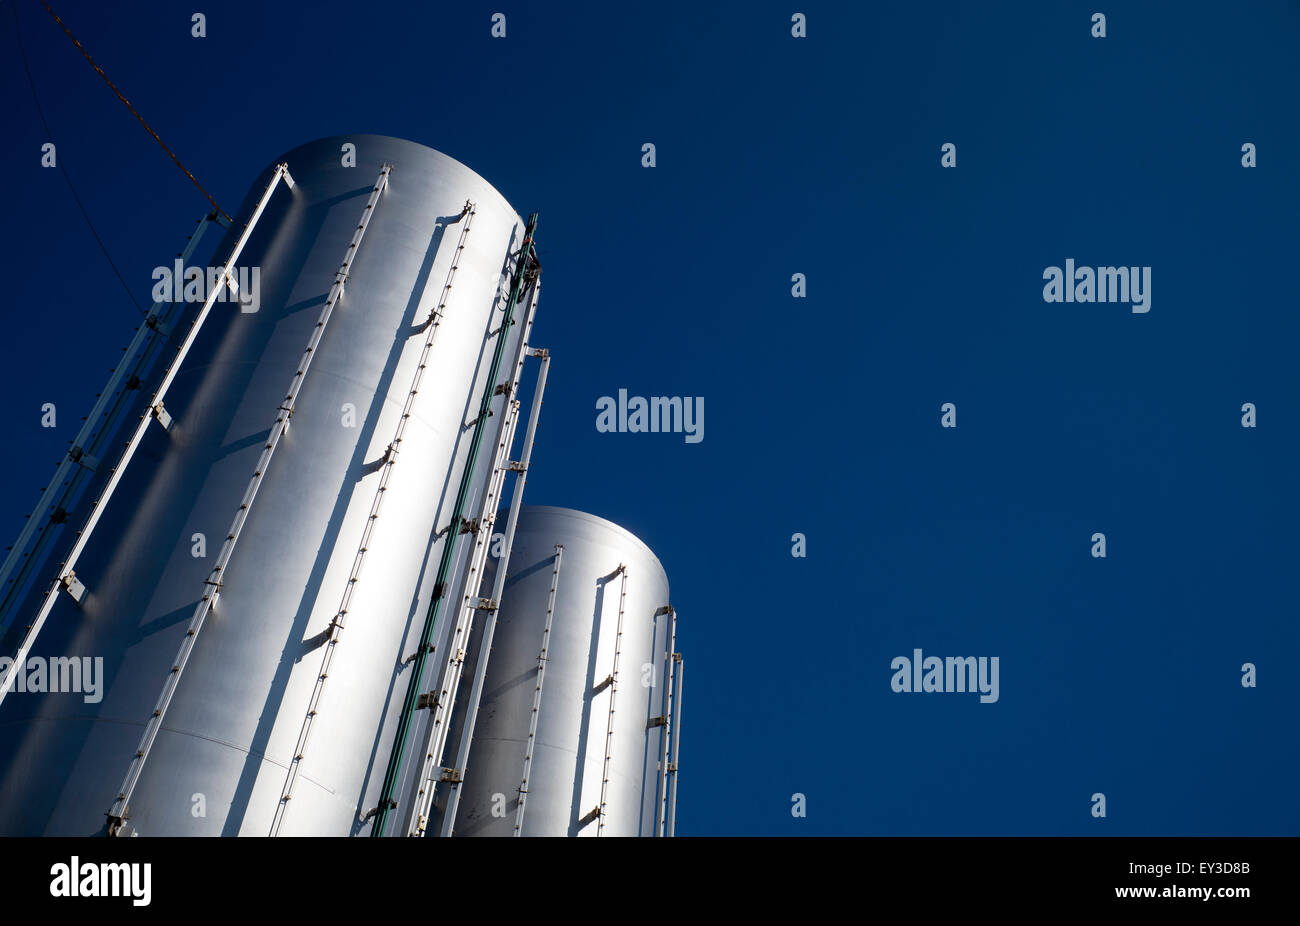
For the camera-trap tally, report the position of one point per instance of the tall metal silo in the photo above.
(341, 451)
(577, 727)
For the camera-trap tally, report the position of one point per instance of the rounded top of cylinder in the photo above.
(368, 153)
(534, 517)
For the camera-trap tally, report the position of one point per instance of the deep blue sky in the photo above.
(820, 155)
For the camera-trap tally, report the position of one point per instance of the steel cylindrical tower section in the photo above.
(262, 563)
(573, 735)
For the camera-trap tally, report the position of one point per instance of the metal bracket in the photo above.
(427, 700)
(516, 467)
(73, 586)
(469, 525)
(77, 455)
(590, 815)
(485, 604)
(452, 775)
(163, 417)
(117, 826)
(213, 581)
(374, 811)
(152, 321)
(502, 388)
(532, 266)
(659, 721)
(609, 680)
(411, 658)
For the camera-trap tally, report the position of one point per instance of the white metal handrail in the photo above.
(677, 743)
(156, 411)
(662, 794)
(79, 459)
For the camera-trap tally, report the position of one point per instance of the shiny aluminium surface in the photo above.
(219, 763)
(565, 779)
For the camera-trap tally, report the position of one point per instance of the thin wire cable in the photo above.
(59, 161)
(127, 104)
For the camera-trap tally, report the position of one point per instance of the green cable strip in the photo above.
(386, 801)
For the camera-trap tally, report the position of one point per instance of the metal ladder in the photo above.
(212, 587)
(612, 681)
(443, 698)
(387, 802)
(668, 722)
(531, 743)
(520, 468)
(390, 458)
